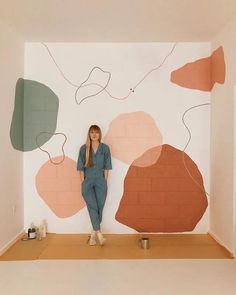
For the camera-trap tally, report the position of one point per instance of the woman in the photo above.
(94, 162)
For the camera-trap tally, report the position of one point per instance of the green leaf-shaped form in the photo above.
(35, 111)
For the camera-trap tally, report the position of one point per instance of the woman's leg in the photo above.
(89, 196)
(100, 188)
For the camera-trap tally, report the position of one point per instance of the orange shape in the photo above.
(148, 158)
(218, 66)
(60, 187)
(203, 73)
(131, 135)
(163, 197)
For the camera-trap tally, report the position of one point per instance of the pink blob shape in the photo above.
(60, 187)
(131, 135)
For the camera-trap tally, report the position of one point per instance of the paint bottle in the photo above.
(44, 228)
(40, 233)
(32, 232)
(29, 232)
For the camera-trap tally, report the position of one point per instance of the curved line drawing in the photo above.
(156, 68)
(82, 85)
(63, 75)
(58, 133)
(190, 136)
(131, 90)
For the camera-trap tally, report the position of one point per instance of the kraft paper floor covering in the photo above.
(74, 246)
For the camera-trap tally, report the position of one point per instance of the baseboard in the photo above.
(12, 242)
(221, 243)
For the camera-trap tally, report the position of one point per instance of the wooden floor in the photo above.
(74, 246)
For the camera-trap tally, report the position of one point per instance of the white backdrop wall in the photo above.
(164, 101)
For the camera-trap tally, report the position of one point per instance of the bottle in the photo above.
(40, 231)
(32, 232)
(44, 228)
(29, 232)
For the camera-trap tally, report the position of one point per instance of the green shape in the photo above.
(35, 111)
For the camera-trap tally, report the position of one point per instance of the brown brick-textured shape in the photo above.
(163, 197)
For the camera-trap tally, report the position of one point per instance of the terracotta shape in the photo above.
(163, 197)
(203, 73)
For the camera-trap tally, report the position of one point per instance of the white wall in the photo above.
(164, 101)
(11, 196)
(223, 151)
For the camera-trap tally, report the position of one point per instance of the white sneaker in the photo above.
(101, 239)
(92, 239)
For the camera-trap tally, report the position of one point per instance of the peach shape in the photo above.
(131, 135)
(59, 186)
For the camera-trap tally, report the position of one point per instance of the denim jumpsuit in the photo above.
(94, 186)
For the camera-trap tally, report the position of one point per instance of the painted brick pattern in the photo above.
(163, 197)
(60, 187)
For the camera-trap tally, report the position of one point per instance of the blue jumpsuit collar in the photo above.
(97, 148)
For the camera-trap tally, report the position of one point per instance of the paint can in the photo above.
(144, 243)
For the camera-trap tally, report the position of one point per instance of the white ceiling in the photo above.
(117, 20)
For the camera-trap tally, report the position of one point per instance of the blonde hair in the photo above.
(88, 159)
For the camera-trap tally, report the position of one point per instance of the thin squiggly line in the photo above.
(49, 52)
(51, 133)
(190, 136)
(118, 98)
(156, 68)
(79, 86)
(82, 85)
(131, 90)
(145, 76)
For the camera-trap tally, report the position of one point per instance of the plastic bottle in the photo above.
(44, 228)
(40, 233)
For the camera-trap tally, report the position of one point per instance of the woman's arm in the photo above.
(81, 173)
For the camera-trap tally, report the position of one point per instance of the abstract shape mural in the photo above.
(163, 197)
(203, 73)
(35, 110)
(132, 134)
(160, 194)
(59, 186)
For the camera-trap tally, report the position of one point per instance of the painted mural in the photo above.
(151, 101)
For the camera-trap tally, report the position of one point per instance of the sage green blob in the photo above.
(35, 111)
